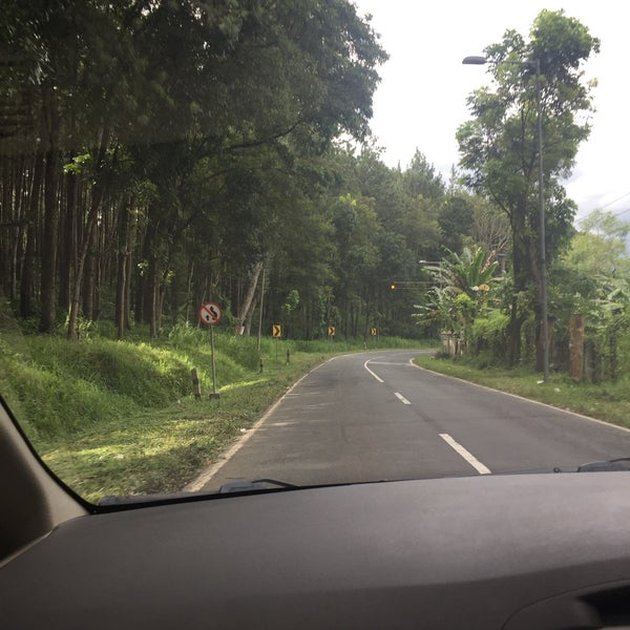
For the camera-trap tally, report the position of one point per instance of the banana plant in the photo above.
(463, 283)
(470, 272)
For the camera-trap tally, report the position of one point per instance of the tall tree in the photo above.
(499, 145)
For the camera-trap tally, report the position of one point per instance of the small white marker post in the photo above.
(210, 315)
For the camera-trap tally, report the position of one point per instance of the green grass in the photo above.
(609, 401)
(161, 450)
(118, 417)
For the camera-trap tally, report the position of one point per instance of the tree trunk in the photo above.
(67, 258)
(19, 215)
(149, 291)
(49, 244)
(26, 279)
(6, 219)
(122, 279)
(89, 275)
(139, 293)
(309, 321)
(520, 245)
(249, 318)
(150, 272)
(535, 271)
(248, 299)
(97, 285)
(189, 292)
(153, 297)
(576, 347)
(121, 295)
(97, 198)
(129, 274)
(160, 299)
(613, 362)
(78, 276)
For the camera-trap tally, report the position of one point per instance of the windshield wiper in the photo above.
(232, 487)
(621, 463)
(257, 485)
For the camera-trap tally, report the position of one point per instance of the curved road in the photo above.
(375, 416)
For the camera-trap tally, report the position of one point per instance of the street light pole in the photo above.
(478, 61)
(543, 240)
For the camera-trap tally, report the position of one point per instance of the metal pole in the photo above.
(260, 315)
(214, 367)
(543, 254)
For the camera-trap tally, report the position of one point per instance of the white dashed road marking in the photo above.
(402, 399)
(467, 455)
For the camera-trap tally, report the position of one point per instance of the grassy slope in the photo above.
(159, 450)
(117, 418)
(609, 401)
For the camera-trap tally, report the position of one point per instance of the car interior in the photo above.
(396, 554)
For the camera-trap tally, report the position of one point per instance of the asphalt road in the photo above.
(374, 416)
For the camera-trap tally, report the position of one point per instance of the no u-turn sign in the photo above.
(210, 314)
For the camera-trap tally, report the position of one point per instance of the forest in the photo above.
(158, 154)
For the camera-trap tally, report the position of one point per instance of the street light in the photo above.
(479, 61)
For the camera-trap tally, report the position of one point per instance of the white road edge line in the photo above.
(402, 399)
(376, 376)
(568, 412)
(467, 455)
(198, 483)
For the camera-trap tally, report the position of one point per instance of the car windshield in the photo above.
(313, 242)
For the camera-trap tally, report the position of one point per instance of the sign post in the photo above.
(276, 333)
(373, 333)
(214, 394)
(210, 315)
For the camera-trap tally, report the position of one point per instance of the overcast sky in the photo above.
(422, 96)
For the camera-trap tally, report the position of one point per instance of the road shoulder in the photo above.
(580, 400)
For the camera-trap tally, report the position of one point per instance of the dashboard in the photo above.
(523, 551)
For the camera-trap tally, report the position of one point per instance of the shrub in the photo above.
(489, 336)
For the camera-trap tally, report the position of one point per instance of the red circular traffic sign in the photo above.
(210, 314)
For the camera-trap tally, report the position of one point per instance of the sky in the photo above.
(421, 99)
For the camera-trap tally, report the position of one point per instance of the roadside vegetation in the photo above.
(486, 302)
(163, 155)
(118, 417)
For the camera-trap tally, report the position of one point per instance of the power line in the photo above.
(615, 214)
(614, 201)
(618, 214)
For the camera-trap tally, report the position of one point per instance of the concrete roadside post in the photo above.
(195, 383)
